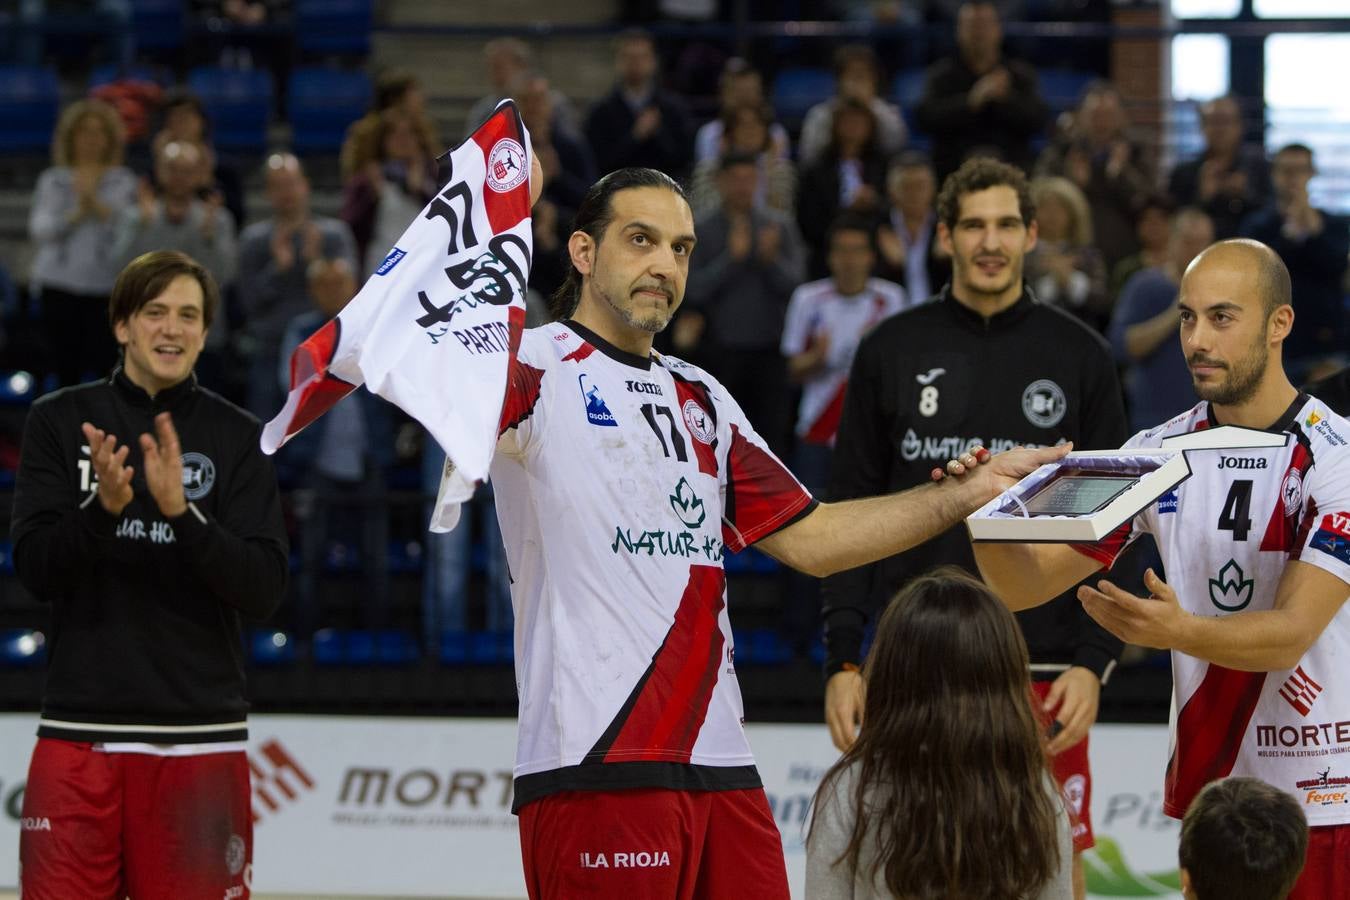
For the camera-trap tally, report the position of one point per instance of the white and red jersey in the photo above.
(817, 311)
(1226, 535)
(618, 481)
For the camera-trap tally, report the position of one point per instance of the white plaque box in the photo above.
(1086, 495)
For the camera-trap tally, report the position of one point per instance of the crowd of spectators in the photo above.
(1114, 232)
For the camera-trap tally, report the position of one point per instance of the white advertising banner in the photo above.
(421, 807)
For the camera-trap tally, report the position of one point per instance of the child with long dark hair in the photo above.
(946, 793)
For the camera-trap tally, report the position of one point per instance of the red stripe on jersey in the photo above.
(522, 393)
(706, 452)
(823, 429)
(313, 356)
(504, 210)
(1301, 538)
(761, 494)
(1209, 733)
(1108, 549)
(1284, 521)
(663, 720)
(580, 353)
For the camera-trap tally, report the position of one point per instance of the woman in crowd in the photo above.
(849, 177)
(1066, 269)
(946, 792)
(746, 129)
(389, 188)
(393, 90)
(76, 203)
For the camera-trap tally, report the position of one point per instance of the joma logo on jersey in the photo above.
(1241, 462)
(643, 387)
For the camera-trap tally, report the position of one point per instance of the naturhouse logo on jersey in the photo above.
(1232, 590)
(691, 512)
(597, 413)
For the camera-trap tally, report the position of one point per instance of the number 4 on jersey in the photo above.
(1236, 513)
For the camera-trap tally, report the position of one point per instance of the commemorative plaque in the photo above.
(1087, 495)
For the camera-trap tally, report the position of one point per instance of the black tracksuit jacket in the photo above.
(926, 384)
(146, 612)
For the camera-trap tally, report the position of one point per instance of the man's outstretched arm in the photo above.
(1027, 575)
(839, 536)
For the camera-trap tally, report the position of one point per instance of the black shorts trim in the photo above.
(629, 775)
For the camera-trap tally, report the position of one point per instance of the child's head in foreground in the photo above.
(1242, 840)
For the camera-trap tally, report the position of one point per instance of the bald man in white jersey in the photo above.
(1256, 544)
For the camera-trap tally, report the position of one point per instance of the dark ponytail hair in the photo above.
(593, 217)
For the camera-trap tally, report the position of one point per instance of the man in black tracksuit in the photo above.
(150, 550)
(983, 363)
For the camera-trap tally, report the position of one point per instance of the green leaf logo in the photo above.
(1230, 592)
(688, 508)
(1108, 875)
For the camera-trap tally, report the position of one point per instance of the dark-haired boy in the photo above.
(147, 517)
(1242, 839)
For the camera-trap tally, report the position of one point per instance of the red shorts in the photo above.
(652, 843)
(1072, 774)
(1327, 870)
(107, 825)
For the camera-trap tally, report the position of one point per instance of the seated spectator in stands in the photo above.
(858, 78)
(388, 190)
(1097, 154)
(1152, 231)
(1314, 244)
(1065, 268)
(639, 123)
(340, 462)
(565, 158)
(398, 90)
(184, 119)
(174, 217)
(849, 177)
(1334, 391)
(272, 288)
(449, 561)
(740, 85)
(508, 63)
(747, 132)
(737, 297)
(907, 249)
(1242, 838)
(76, 205)
(977, 99)
(946, 792)
(1145, 324)
(1228, 179)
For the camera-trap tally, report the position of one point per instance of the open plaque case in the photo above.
(1085, 496)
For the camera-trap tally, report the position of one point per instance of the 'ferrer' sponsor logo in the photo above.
(1325, 790)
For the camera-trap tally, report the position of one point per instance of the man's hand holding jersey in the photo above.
(163, 460)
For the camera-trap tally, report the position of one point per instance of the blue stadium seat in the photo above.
(323, 103)
(268, 647)
(30, 97)
(157, 24)
(907, 88)
(22, 647)
(328, 647)
(7, 554)
(395, 647)
(239, 104)
(405, 557)
(1061, 88)
(102, 75)
(797, 89)
(748, 562)
(762, 646)
(333, 26)
(454, 647)
(356, 647)
(487, 648)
